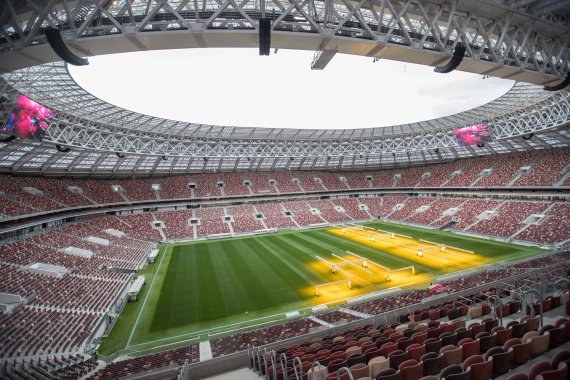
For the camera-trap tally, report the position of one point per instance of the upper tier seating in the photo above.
(440, 174)
(206, 185)
(260, 182)
(138, 189)
(233, 184)
(284, 182)
(411, 177)
(505, 169)
(331, 181)
(175, 187)
(307, 181)
(356, 180)
(547, 169)
(471, 171)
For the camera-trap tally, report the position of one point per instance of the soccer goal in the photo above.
(317, 287)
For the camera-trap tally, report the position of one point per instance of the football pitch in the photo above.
(206, 289)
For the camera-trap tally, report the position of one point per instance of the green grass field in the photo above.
(206, 289)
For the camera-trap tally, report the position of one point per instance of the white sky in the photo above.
(237, 87)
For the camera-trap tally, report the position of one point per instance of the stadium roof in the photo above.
(419, 32)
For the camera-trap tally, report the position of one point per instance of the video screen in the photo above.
(472, 135)
(28, 120)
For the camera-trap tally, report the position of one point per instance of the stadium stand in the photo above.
(284, 182)
(384, 178)
(328, 212)
(206, 185)
(211, 221)
(553, 229)
(260, 182)
(351, 209)
(331, 181)
(306, 181)
(411, 177)
(233, 184)
(122, 368)
(357, 180)
(177, 224)
(174, 187)
(509, 218)
(274, 216)
(505, 169)
(435, 211)
(302, 214)
(138, 189)
(244, 219)
(471, 171)
(85, 204)
(99, 191)
(546, 169)
(441, 174)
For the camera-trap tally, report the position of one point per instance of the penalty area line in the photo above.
(144, 302)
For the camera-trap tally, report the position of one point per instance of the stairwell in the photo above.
(450, 177)
(414, 213)
(230, 225)
(563, 179)
(434, 223)
(515, 179)
(343, 213)
(320, 322)
(194, 227)
(531, 164)
(157, 194)
(319, 215)
(478, 220)
(292, 218)
(355, 313)
(260, 220)
(124, 196)
(545, 211)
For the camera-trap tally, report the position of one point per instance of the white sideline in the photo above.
(144, 302)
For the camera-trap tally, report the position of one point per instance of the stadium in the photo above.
(317, 243)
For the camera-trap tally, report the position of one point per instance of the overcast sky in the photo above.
(240, 88)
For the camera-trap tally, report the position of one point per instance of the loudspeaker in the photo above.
(7, 139)
(453, 63)
(53, 36)
(62, 149)
(559, 86)
(528, 137)
(264, 36)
